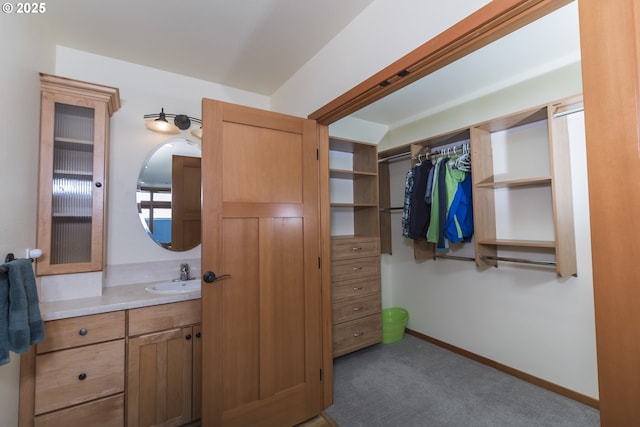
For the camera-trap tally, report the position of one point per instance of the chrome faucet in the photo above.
(184, 272)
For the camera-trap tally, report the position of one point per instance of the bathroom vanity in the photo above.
(127, 355)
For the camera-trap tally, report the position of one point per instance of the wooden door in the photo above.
(159, 379)
(261, 327)
(185, 202)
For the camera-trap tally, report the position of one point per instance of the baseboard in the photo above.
(589, 401)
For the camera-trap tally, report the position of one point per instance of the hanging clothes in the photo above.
(406, 210)
(451, 208)
(420, 209)
(438, 195)
(459, 224)
(438, 201)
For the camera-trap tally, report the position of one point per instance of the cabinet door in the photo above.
(196, 399)
(160, 378)
(74, 131)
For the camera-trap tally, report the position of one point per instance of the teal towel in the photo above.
(4, 318)
(24, 323)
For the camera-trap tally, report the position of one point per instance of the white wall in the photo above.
(384, 32)
(24, 54)
(143, 90)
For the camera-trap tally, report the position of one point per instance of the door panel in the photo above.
(185, 202)
(260, 156)
(261, 326)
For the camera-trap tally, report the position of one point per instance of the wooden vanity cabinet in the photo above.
(76, 376)
(90, 368)
(164, 348)
(74, 139)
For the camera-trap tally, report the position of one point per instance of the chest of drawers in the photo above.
(356, 299)
(70, 387)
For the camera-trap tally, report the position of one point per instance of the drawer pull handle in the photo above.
(83, 332)
(358, 334)
(359, 288)
(82, 376)
(188, 337)
(356, 249)
(198, 334)
(358, 308)
(357, 268)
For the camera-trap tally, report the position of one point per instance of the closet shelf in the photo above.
(354, 205)
(349, 174)
(520, 243)
(525, 182)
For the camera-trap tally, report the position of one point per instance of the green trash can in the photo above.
(394, 321)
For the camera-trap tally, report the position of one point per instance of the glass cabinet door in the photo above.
(73, 139)
(72, 184)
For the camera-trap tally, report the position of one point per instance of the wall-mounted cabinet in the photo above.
(521, 176)
(74, 136)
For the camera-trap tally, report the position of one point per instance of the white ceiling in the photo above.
(547, 44)
(255, 45)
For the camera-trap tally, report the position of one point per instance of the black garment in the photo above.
(442, 202)
(420, 210)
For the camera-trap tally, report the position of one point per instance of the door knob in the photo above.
(210, 277)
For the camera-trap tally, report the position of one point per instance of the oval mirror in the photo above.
(168, 195)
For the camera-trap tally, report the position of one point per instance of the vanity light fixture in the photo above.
(159, 123)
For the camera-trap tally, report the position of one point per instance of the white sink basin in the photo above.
(179, 287)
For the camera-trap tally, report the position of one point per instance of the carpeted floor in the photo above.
(414, 383)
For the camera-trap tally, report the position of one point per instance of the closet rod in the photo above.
(459, 258)
(520, 260)
(395, 157)
(391, 209)
(439, 151)
(566, 113)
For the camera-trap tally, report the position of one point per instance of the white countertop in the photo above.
(113, 298)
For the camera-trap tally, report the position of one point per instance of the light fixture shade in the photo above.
(161, 125)
(197, 132)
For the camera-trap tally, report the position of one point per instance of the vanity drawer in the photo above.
(107, 412)
(77, 331)
(354, 247)
(354, 268)
(355, 288)
(356, 308)
(351, 336)
(162, 317)
(68, 377)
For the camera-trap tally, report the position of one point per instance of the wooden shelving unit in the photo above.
(355, 257)
(521, 176)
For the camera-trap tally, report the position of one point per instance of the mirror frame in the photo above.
(154, 152)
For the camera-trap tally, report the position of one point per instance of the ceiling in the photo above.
(545, 45)
(255, 45)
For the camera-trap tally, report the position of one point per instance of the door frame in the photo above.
(610, 34)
